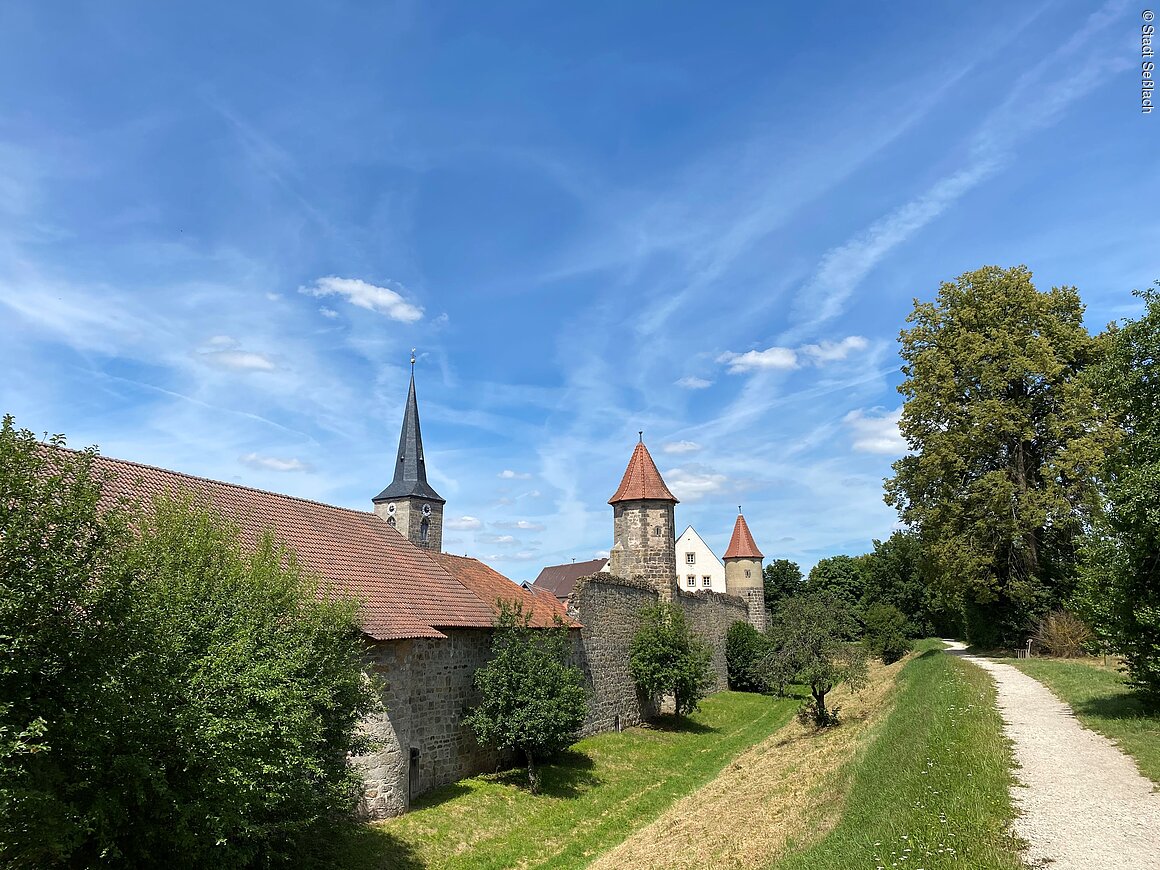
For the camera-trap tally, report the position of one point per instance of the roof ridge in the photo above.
(197, 477)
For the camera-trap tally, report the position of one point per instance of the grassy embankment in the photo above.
(930, 789)
(1104, 703)
(601, 791)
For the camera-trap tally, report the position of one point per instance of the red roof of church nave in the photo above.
(403, 590)
(642, 480)
(742, 545)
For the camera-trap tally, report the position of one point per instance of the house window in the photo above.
(706, 580)
(691, 580)
(748, 573)
(690, 558)
(424, 531)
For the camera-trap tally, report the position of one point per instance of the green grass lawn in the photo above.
(601, 791)
(930, 789)
(1103, 703)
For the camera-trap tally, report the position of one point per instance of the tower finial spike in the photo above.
(412, 360)
(640, 434)
(738, 508)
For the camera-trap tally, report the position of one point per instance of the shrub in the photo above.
(532, 702)
(167, 695)
(667, 658)
(1063, 634)
(885, 635)
(745, 647)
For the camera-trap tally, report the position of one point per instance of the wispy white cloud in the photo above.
(224, 352)
(875, 431)
(273, 463)
(772, 358)
(692, 483)
(328, 312)
(372, 297)
(523, 525)
(832, 351)
(464, 522)
(694, 383)
(679, 447)
(508, 474)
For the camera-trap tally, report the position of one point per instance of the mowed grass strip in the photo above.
(788, 789)
(599, 793)
(931, 788)
(1103, 702)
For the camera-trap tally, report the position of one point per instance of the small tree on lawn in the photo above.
(745, 647)
(667, 658)
(807, 648)
(533, 702)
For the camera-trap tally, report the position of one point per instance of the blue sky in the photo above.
(224, 226)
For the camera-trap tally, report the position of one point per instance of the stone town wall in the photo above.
(644, 543)
(609, 609)
(709, 615)
(427, 689)
(427, 686)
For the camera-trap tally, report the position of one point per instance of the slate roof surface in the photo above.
(560, 580)
(742, 545)
(489, 585)
(642, 480)
(410, 464)
(404, 591)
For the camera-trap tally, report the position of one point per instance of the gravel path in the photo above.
(1082, 802)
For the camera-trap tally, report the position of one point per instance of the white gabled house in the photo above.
(698, 568)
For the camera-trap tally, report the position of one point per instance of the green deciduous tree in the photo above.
(895, 574)
(1004, 443)
(841, 578)
(745, 647)
(783, 579)
(1120, 592)
(807, 647)
(168, 696)
(532, 701)
(886, 632)
(667, 658)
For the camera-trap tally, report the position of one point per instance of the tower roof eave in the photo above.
(742, 545)
(642, 481)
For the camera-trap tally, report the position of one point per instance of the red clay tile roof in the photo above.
(489, 585)
(402, 590)
(560, 580)
(741, 545)
(642, 480)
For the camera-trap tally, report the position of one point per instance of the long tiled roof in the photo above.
(403, 591)
(742, 545)
(490, 586)
(560, 580)
(642, 480)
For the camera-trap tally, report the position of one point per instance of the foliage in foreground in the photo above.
(595, 795)
(807, 647)
(1005, 441)
(167, 695)
(666, 657)
(1103, 701)
(931, 791)
(1120, 592)
(533, 702)
(745, 647)
(781, 579)
(1063, 634)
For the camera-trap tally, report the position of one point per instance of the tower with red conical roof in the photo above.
(743, 571)
(643, 526)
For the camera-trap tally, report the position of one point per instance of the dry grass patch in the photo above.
(779, 795)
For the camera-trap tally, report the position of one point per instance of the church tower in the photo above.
(410, 504)
(644, 534)
(743, 576)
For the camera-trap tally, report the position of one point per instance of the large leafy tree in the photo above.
(895, 574)
(1004, 443)
(166, 695)
(782, 579)
(533, 701)
(841, 578)
(1120, 593)
(667, 658)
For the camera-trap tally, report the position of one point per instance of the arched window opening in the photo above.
(424, 531)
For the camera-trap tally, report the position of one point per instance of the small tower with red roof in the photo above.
(743, 571)
(643, 527)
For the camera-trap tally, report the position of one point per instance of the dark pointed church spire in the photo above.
(410, 468)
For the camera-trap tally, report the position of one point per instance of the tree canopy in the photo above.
(532, 701)
(667, 658)
(840, 578)
(168, 695)
(1120, 593)
(782, 579)
(1004, 444)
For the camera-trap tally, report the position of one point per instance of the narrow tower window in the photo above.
(424, 531)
